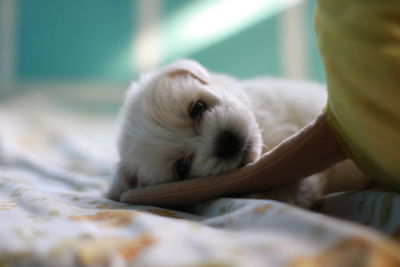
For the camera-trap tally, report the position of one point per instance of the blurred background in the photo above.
(66, 65)
(82, 55)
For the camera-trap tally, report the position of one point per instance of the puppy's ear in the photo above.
(123, 181)
(188, 67)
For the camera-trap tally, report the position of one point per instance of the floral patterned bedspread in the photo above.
(54, 170)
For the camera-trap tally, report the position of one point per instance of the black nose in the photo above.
(228, 145)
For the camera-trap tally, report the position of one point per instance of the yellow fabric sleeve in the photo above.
(359, 42)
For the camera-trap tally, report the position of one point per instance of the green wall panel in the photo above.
(74, 40)
(250, 53)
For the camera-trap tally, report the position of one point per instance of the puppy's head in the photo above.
(180, 122)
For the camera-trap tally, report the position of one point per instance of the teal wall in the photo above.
(74, 39)
(250, 53)
(90, 40)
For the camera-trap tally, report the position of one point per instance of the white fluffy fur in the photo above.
(156, 129)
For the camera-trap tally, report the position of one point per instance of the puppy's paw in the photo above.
(121, 183)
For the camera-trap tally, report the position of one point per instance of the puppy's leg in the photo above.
(303, 193)
(344, 176)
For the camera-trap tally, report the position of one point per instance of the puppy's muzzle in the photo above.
(229, 145)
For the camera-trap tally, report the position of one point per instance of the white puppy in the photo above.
(183, 122)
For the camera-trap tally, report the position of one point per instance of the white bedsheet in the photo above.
(54, 171)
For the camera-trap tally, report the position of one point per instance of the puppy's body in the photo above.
(182, 122)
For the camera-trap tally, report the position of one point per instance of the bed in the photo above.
(54, 170)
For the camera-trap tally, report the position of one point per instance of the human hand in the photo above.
(313, 149)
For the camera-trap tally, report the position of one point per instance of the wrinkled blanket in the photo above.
(54, 170)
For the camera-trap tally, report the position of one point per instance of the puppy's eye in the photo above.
(182, 168)
(197, 110)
